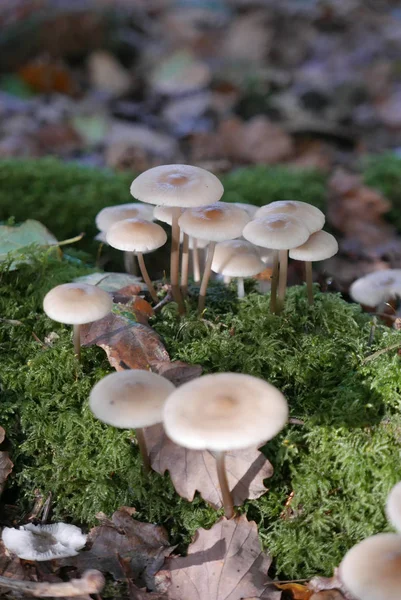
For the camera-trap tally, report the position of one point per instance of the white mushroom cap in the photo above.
(251, 209)
(44, 542)
(376, 287)
(320, 246)
(130, 399)
(164, 214)
(217, 222)
(393, 507)
(266, 254)
(224, 411)
(200, 244)
(136, 235)
(112, 214)
(237, 258)
(371, 570)
(77, 303)
(307, 213)
(276, 231)
(177, 185)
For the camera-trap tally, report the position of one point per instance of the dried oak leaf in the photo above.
(6, 466)
(224, 563)
(143, 546)
(192, 470)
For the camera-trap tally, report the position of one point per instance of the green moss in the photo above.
(384, 173)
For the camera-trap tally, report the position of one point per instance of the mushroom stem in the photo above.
(140, 438)
(184, 265)
(223, 482)
(146, 277)
(309, 281)
(77, 340)
(175, 261)
(226, 279)
(240, 287)
(195, 260)
(282, 280)
(274, 280)
(129, 263)
(206, 277)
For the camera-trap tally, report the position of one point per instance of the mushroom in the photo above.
(178, 186)
(112, 214)
(377, 287)
(141, 237)
(279, 232)
(237, 258)
(131, 400)
(76, 304)
(371, 570)
(320, 246)
(251, 209)
(216, 223)
(44, 542)
(307, 213)
(221, 412)
(393, 507)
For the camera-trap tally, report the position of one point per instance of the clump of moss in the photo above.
(384, 173)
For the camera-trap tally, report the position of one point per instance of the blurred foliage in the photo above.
(383, 172)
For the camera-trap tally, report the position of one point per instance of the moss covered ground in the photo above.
(340, 457)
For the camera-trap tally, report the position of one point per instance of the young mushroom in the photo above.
(320, 246)
(178, 186)
(44, 542)
(371, 570)
(377, 287)
(311, 216)
(140, 237)
(393, 507)
(131, 400)
(216, 223)
(239, 259)
(76, 304)
(222, 412)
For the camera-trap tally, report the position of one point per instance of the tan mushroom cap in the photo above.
(164, 214)
(224, 411)
(237, 258)
(320, 246)
(177, 185)
(276, 231)
(251, 209)
(136, 235)
(130, 399)
(217, 222)
(77, 303)
(376, 287)
(371, 570)
(393, 507)
(112, 214)
(307, 213)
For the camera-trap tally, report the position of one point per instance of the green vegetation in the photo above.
(384, 173)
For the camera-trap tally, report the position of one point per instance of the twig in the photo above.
(290, 581)
(166, 300)
(46, 507)
(43, 344)
(380, 352)
(77, 238)
(11, 321)
(91, 582)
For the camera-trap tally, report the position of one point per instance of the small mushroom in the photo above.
(239, 259)
(131, 400)
(221, 412)
(377, 287)
(251, 209)
(280, 232)
(178, 186)
(307, 213)
(371, 570)
(44, 542)
(76, 304)
(393, 507)
(141, 237)
(320, 246)
(216, 223)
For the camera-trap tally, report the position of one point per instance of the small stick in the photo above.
(206, 277)
(282, 280)
(309, 281)
(184, 265)
(91, 582)
(175, 261)
(195, 260)
(274, 280)
(240, 287)
(224, 487)
(146, 277)
(77, 340)
(143, 449)
(380, 352)
(129, 263)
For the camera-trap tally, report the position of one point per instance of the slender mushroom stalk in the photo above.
(146, 278)
(226, 279)
(274, 280)
(77, 340)
(240, 287)
(309, 281)
(195, 260)
(184, 265)
(129, 263)
(224, 487)
(175, 261)
(206, 277)
(282, 280)
(143, 449)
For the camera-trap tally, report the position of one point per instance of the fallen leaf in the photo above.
(10, 566)
(106, 74)
(6, 466)
(111, 282)
(58, 138)
(195, 470)
(14, 238)
(47, 76)
(177, 372)
(298, 591)
(225, 562)
(328, 595)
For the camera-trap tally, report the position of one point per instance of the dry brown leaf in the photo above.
(195, 470)
(177, 372)
(6, 466)
(224, 563)
(328, 595)
(298, 591)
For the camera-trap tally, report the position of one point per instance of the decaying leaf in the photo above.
(224, 563)
(13, 238)
(194, 470)
(111, 282)
(177, 371)
(298, 591)
(6, 466)
(142, 545)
